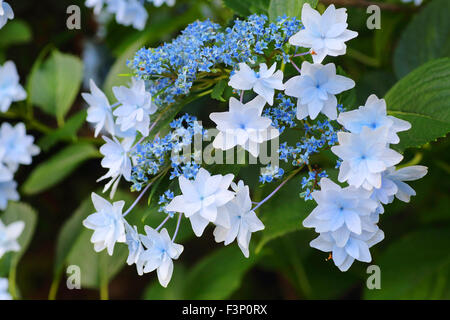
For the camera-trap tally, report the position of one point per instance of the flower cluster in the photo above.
(346, 218)
(203, 50)
(248, 55)
(127, 12)
(16, 147)
(150, 157)
(6, 13)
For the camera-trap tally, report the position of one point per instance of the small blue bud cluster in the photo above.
(311, 182)
(151, 156)
(269, 173)
(164, 199)
(203, 49)
(283, 114)
(317, 136)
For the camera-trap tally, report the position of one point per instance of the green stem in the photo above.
(54, 287)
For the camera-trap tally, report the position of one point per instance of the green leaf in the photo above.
(17, 212)
(423, 99)
(283, 213)
(58, 167)
(15, 32)
(416, 266)
(55, 84)
(218, 90)
(67, 132)
(292, 8)
(427, 37)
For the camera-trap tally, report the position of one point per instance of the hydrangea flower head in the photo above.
(107, 223)
(316, 88)
(10, 88)
(9, 235)
(159, 253)
(263, 83)
(365, 156)
(243, 221)
(200, 199)
(243, 125)
(6, 12)
(325, 34)
(373, 115)
(99, 111)
(136, 107)
(134, 244)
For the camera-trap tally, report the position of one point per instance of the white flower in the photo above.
(326, 34)
(201, 198)
(10, 88)
(107, 223)
(316, 88)
(99, 111)
(134, 244)
(411, 173)
(6, 12)
(373, 115)
(9, 235)
(356, 248)
(158, 3)
(96, 4)
(243, 125)
(340, 211)
(117, 160)
(159, 254)
(416, 2)
(263, 83)
(243, 221)
(5, 173)
(129, 12)
(136, 107)
(19, 147)
(8, 191)
(4, 294)
(365, 156)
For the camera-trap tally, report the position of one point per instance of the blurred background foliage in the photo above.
(56, 63)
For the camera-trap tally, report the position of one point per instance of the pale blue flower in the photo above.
(200, 199)
(9, 235)
(325, 34)
(411, 173)
(243, 220)
(134, 244)
(117, 160)
(10, 88)
(263, 83)
(159, 3)
(356, 248)
(5, 173)
(96, 4)
(6, 12)
(340, 211)
(107, 223)
(243, 125)
(18, 146)
(129, 12)
(8, 191)
(365, 156)
(373, 115)
(99, 111)
(159, 253)
(136, 107)
(316, 90)
(4, 294)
